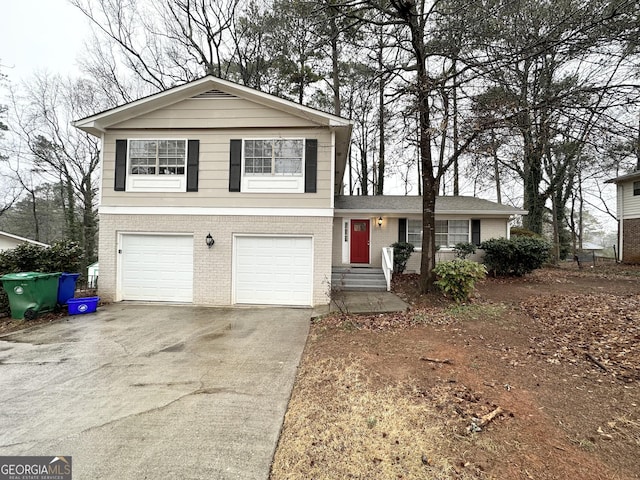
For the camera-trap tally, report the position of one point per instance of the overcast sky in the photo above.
(40, 35)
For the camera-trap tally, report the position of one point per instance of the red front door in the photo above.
(359, 241)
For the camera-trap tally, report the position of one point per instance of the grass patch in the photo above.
(339, 426)
(476, 311)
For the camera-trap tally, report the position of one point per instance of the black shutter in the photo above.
(235, 165)
(402, 229)
(475, 232)
(119, 185)
(310, 165)
(193, 155)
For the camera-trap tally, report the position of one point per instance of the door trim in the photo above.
(368, 221)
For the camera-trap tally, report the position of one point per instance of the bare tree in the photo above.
(60, 153)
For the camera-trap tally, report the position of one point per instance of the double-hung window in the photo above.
(157, 157)
(414, 233)
(450, 232)
(273, 165)
(636, 188)
(155, 165)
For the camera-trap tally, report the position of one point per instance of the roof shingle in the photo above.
(412, 204)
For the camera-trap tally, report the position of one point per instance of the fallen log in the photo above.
(484, 420)
(448, 361)
(595, 361)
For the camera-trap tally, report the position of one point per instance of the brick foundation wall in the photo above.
(631, 240)
(212, 267)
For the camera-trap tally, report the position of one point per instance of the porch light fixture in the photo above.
(380, 221)
(210, 241)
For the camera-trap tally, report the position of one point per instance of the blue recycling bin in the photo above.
(67, 287)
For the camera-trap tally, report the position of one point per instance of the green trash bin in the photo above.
(31, 293)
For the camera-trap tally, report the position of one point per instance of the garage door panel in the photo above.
(157, 267)
(273, 270)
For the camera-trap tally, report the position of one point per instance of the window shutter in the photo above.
(475, 232)
(121, 166)
(193, 155)
(235, 165)
(402, 229)
(310, 165)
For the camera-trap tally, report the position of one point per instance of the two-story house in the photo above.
(628, 213)
(213, 193)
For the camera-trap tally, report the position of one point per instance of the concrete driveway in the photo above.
(156, 392)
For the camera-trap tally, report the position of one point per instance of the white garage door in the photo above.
(157, 268)
(273, 270)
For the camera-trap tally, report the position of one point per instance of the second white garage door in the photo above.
(273, 270)
(157, 268)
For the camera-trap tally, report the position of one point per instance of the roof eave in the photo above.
(381, 211)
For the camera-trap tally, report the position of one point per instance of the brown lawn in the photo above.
(554, 356)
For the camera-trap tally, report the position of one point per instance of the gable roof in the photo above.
(412, 204)
(22, 239)
(205, 87)
(624, 178)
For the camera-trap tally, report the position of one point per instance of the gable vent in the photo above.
(214, 94)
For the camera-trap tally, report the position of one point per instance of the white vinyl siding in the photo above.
(630, 201)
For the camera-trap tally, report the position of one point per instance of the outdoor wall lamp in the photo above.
(210, 241)
(380, 221)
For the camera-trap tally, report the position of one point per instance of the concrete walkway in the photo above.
(363, 303)
(141, 391)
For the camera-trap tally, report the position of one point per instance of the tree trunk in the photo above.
(89, 226)
(381, 119)
(456, 143)
(34, 211)
(335, 74)
(496, 167)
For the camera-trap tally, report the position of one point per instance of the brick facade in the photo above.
(631, 240)
(213, 267)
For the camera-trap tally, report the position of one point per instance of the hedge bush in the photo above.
(457, 278)
(464, 249)
(516, 256)
(401, 253)
(62, 256)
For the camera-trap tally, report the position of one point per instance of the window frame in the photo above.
(636, 188)
(419, 246)
(273, 182)
(156, 182)
(449, 234)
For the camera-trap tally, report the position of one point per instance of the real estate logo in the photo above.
(35, 468)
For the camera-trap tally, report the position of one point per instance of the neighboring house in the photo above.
(216, 194)
(592, 247)
(9, 241)
(628, 214)
(364, 225)
(93, 271)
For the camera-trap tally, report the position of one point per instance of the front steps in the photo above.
(358, 279)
